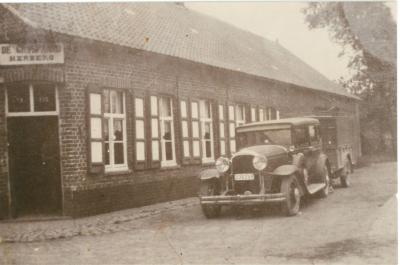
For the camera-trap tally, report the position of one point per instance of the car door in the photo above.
(310, 147)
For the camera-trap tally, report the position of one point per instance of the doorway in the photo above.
(34, 166)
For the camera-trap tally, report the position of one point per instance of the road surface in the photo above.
(357, 225)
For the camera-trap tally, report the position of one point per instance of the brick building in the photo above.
(110, 106)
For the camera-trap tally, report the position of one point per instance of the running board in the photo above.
(315, 187)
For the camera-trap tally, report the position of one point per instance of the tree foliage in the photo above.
(366, 32)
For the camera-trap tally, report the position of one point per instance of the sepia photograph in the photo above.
(215, 132)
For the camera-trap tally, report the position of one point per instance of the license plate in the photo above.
(244, 176)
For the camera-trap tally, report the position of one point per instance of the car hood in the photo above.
(265, 150)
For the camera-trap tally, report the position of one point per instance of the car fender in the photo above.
(318, 169)
(285, 170)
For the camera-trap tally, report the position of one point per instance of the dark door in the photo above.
(34, 165)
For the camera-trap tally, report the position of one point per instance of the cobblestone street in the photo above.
(355, 226)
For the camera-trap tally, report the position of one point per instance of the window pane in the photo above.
(233, 146)
(207, 131)
(195, 110)
(222, 147)
(183, 109)
(140, 151)
(139, 129)
(107, 156)
(168, 151)
(154, 128)
(18, 99)
(95, 103)
(186, 149)
(196, 148)
(118, 132)
(205, 108)
(221, 112)
(95, 128)
(106, 94)
(239, 113)
(44, 98)
(116, 101)
(208, 149)
(167, 130)
(165, 107)
(185, 131)
(222, 130)
(155, 150)
(262, 117)
(231, 113)
(253, 114)
(195, 127)
(139, 107)
(118, 153)
(105, 130)
(154, 107)
(231, 130)
(97, 152)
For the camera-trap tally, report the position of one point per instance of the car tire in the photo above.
(291, 190)
(325, 191)
(345, 174)
(209, 211)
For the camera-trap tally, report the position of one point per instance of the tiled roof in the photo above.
(174, 30)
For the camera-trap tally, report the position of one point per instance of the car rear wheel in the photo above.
(345, 174)
(209, 211)
(325, 191)
(290, 188)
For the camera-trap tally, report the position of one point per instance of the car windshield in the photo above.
(270, 137)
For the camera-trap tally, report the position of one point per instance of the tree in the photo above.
(366, 32)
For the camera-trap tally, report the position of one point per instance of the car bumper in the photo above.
(252, 199)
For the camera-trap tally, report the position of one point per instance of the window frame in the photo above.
(32, 112)
(203, 121)
(111, 117)
(162, 119)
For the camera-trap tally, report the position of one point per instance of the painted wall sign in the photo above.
(13, 54)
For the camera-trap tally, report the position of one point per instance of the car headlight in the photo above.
(222, 164)
(259, 162)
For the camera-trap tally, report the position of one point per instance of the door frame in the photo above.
(32, 113)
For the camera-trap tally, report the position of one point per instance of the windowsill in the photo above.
(122, 171)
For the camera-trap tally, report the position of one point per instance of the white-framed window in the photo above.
(195, 129)
(114, 130)
(240, 115)
(185, 129)
(222, 137)
(31, 100)
(140, 148)
(232, 126)
(262, 114)
(166, 120)
(207, 140)
(253, 114)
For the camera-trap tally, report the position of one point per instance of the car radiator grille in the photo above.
(244, 164)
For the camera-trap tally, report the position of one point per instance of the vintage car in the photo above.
(278, 161)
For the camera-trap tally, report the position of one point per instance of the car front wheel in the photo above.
(290, 188)
(210, 211)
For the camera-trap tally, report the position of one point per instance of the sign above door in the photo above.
(15, 54)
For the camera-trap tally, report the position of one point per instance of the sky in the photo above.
(283, 22)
